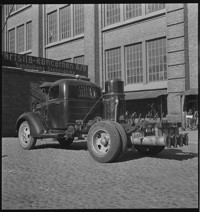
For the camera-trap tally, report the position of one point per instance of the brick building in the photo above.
(151, 47)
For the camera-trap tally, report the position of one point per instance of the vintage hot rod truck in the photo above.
(78, 108)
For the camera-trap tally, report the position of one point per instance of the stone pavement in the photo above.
(51, 177)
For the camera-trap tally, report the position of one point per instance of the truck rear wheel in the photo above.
(103, 142)
(149, 150)
(123, 137)
(65, 142)
(25, 139)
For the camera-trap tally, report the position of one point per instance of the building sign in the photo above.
(42, 64)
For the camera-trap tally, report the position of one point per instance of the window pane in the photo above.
(112, 13)
(79, 60)
(134, 66)
(133, 10)
(52, 27)
(54, 92)
(11, 40)
(28, 35)
(113, 63)
(65, 22)
(20, 38)
(154, 7)
(157, 60)
(78, 19)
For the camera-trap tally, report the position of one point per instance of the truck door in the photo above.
(54, 115)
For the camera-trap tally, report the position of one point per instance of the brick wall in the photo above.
(17, 88)
(91, 44)
(193, 43)
(176, 59)
(182, 26)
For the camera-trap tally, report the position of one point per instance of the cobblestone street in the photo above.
(51, 177)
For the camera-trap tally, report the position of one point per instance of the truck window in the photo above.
(86, 91)
(54, 92)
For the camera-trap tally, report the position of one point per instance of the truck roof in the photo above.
(73, 82)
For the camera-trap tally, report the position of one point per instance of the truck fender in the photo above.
(36, 123)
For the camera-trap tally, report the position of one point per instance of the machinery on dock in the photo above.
(78, 108)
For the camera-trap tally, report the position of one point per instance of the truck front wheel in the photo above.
(25, 139)
(149, 150)
(104, 142)
(65, 142)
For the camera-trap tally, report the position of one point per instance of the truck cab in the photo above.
(71, 106)
(70, 100)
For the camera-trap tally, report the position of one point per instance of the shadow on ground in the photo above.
(82, 145)
(170, 154)
(176, 154)
(130, 154)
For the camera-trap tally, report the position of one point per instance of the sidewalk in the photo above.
(193, 135)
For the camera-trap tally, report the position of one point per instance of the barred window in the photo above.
(20, 38)
(113, 63)
(79, 60)
(133, 10)
(112, 13)
(157, 60)
(65, 22)
(154, 7)
(78, 19)
(52, 27)
(28, 35)
(11, 40)
(134, 66)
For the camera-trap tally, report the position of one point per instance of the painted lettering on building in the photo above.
(42, 64)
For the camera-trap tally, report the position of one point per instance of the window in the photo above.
(133, 10)
(113, 63)
(112, 12)
(154, 7)
(79, 60)
(20, 38)
(54, 92)
(134, 67)
(86, 91)
(52, 27)
(78, 19)
(65, 22)
(28, 35)
(11, 40)
(157, 61)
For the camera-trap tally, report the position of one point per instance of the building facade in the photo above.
(151, 47)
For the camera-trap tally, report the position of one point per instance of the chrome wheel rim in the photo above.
(101, 142)
(25, 135)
